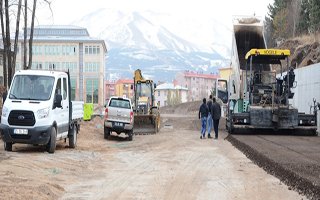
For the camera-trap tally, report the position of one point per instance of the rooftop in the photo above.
(62, 30)
(125, 81)
(170, 86)
(62, 33)
(200, 75)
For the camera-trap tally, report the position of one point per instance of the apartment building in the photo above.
(225, 73)
(199, 85)
(170, 94)
(70, 48)
(123, 88)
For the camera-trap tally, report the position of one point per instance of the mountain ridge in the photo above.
(136, 40)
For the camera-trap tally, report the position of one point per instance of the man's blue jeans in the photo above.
(209, 123)
(203, 125)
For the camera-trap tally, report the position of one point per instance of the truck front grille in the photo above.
(21, 118)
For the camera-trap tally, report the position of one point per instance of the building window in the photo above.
(92, 88)
(92, 50)
(91, 67)
(158, 93)
(73, 88)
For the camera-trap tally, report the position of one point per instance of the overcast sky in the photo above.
(67, 11)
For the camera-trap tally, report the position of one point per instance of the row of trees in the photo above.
(10, 11)
(290, 18)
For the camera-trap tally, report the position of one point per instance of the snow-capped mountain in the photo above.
(158, 44)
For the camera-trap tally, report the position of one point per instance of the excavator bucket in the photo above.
(146, 124)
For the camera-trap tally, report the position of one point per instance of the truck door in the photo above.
(62, 114)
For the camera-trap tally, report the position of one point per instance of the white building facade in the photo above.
(169, 94)
(70, 48)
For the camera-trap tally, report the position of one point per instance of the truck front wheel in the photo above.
(7, 146)
(73, 137)
(51, 146)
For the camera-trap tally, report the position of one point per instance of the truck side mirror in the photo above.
(57, 101)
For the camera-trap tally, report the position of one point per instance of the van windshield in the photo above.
(31, 87)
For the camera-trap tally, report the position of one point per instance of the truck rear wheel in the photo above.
(51, 146)
(7, 146)
(130, 135)
(73, 137)
(106, 133)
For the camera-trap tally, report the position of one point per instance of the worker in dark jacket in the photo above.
(210, 121)
(216, 114)
(203, 114)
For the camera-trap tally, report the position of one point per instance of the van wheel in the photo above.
(7, 146)
(73, 137)
(106, 133)
(51, 146)
(130, 135)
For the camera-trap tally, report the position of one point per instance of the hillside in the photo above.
(305, 50)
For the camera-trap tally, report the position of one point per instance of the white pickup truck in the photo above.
(118, 117)
(38, 110)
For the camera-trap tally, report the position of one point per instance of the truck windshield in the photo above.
(31, 87)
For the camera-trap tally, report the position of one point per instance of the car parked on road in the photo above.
(118, 117)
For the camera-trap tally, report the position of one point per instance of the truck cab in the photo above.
(38, 110)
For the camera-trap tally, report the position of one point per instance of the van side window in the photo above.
(58, 87)
(64, 88)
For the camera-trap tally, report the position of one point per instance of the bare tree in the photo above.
(5, 72)
(9, 56)
(31, 33)
(16, 37)
(25, 35)
(8, 41)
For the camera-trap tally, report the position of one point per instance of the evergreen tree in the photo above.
(314, 15)
(304, 22)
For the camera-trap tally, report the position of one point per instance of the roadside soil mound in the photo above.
(184, 108)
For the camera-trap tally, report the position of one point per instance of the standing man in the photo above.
(216, 114)
(203, 114)
(209, 116)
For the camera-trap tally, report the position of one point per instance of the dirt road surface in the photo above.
(173, 164)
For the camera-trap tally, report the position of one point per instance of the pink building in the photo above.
(109, 89)
(199, 85)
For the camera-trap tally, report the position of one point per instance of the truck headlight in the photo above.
(43, 113)
(5, 112)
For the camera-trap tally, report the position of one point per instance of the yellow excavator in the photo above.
(146, 110)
